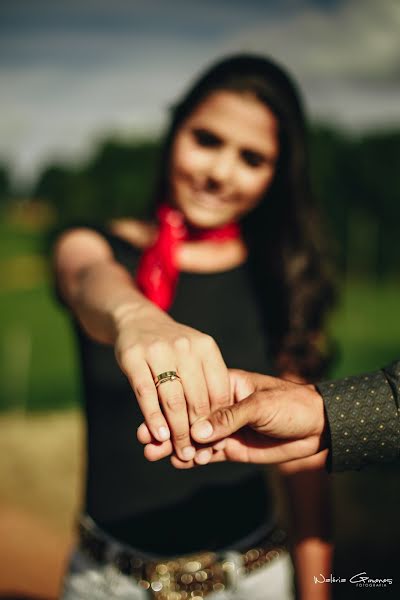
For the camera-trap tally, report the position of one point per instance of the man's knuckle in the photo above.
(224, 417)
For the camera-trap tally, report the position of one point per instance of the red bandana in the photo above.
(157, 273)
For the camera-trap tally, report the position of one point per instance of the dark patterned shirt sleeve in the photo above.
(363, 417)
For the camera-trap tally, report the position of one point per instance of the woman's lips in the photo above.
(210, 199)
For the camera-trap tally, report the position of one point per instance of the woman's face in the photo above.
(223, 158)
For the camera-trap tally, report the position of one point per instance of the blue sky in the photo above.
(72, 71)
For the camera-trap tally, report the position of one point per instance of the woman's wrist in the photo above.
(133, 310)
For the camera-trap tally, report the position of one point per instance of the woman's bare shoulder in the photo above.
(79, 247)
(140, 234)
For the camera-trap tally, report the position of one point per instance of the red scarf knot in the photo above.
(157, 274)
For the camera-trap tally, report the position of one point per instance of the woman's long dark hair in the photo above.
(283, 233)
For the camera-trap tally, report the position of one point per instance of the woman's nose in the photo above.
(222, 165)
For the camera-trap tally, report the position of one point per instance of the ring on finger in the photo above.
(166, 376)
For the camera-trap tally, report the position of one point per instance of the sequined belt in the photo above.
(190, 577)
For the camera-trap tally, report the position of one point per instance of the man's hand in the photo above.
(272, 421)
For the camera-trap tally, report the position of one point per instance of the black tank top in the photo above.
(153, 506)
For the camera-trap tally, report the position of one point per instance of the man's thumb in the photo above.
(222, 422)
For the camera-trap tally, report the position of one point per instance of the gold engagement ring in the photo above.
(167, 376)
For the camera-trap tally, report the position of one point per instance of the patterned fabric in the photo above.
(364, 418)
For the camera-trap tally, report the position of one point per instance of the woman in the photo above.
(234, 253)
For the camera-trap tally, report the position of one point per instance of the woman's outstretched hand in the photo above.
(270, 421)
(149, 343)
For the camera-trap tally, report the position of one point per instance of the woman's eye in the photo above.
(253, 159)
(206, 138)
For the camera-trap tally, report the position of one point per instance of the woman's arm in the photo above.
(308, 493)
(104, 298)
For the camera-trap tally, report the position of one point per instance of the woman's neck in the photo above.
(210, 256)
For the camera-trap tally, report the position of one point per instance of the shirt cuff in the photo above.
(363, 420)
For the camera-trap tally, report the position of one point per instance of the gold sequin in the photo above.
(192, 566)
(228, 566)
(162, 569)
(252, 554)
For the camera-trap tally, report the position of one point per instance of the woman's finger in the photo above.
(172, 400)
(143, 434)
(141, 380)
(211, 457)
(157, 451)
(194, 387)
(216, 375)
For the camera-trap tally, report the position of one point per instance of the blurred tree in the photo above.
(116, 181)
(54, 185)
(329, 150)
(124, 175)
(358, 182)
(5, 184)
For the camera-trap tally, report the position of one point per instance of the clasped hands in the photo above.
(269, 420)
